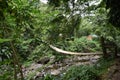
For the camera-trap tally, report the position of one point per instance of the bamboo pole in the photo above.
(73, 53)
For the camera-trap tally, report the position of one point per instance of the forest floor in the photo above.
(37, 70)
(113, 72)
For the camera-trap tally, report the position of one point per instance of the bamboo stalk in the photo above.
(16, 60)
(73, 53)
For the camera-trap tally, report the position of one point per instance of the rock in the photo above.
(96, 57)
(38, 75)
(44, 60)
(55, 72)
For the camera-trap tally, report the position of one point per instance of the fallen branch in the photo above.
(72, 53)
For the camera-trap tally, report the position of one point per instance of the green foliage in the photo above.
(40, 51)
(6, 76)
(48, 77)
(6, 71)
(117, 41)
(114, 12)
(27, 22)
(102, 65)
(77, 45)
(85, 28)
(87, 72)
(4, 40)
(83, 45)
(80, 73)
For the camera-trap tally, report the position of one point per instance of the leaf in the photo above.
(4, 40)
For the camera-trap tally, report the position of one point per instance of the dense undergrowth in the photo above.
(85, 72)
(77, 45)
(27, 25)
(81, 44)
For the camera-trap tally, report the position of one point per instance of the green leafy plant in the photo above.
(102, 65)
(83, 45)
(4, 40)
(86, 72)
(80, 73)
(48, 77)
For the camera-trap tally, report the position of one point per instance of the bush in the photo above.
(85, 72)
(83, 45)
(76, 45)
(40, 51)
(80, 73)
(102, 65)
(48, 77)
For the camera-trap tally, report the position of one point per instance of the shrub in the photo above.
(48, 77)
(40, 51)
(83, 45)
(80, 73)
(102, 65)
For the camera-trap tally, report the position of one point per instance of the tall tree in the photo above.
(114, 12)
